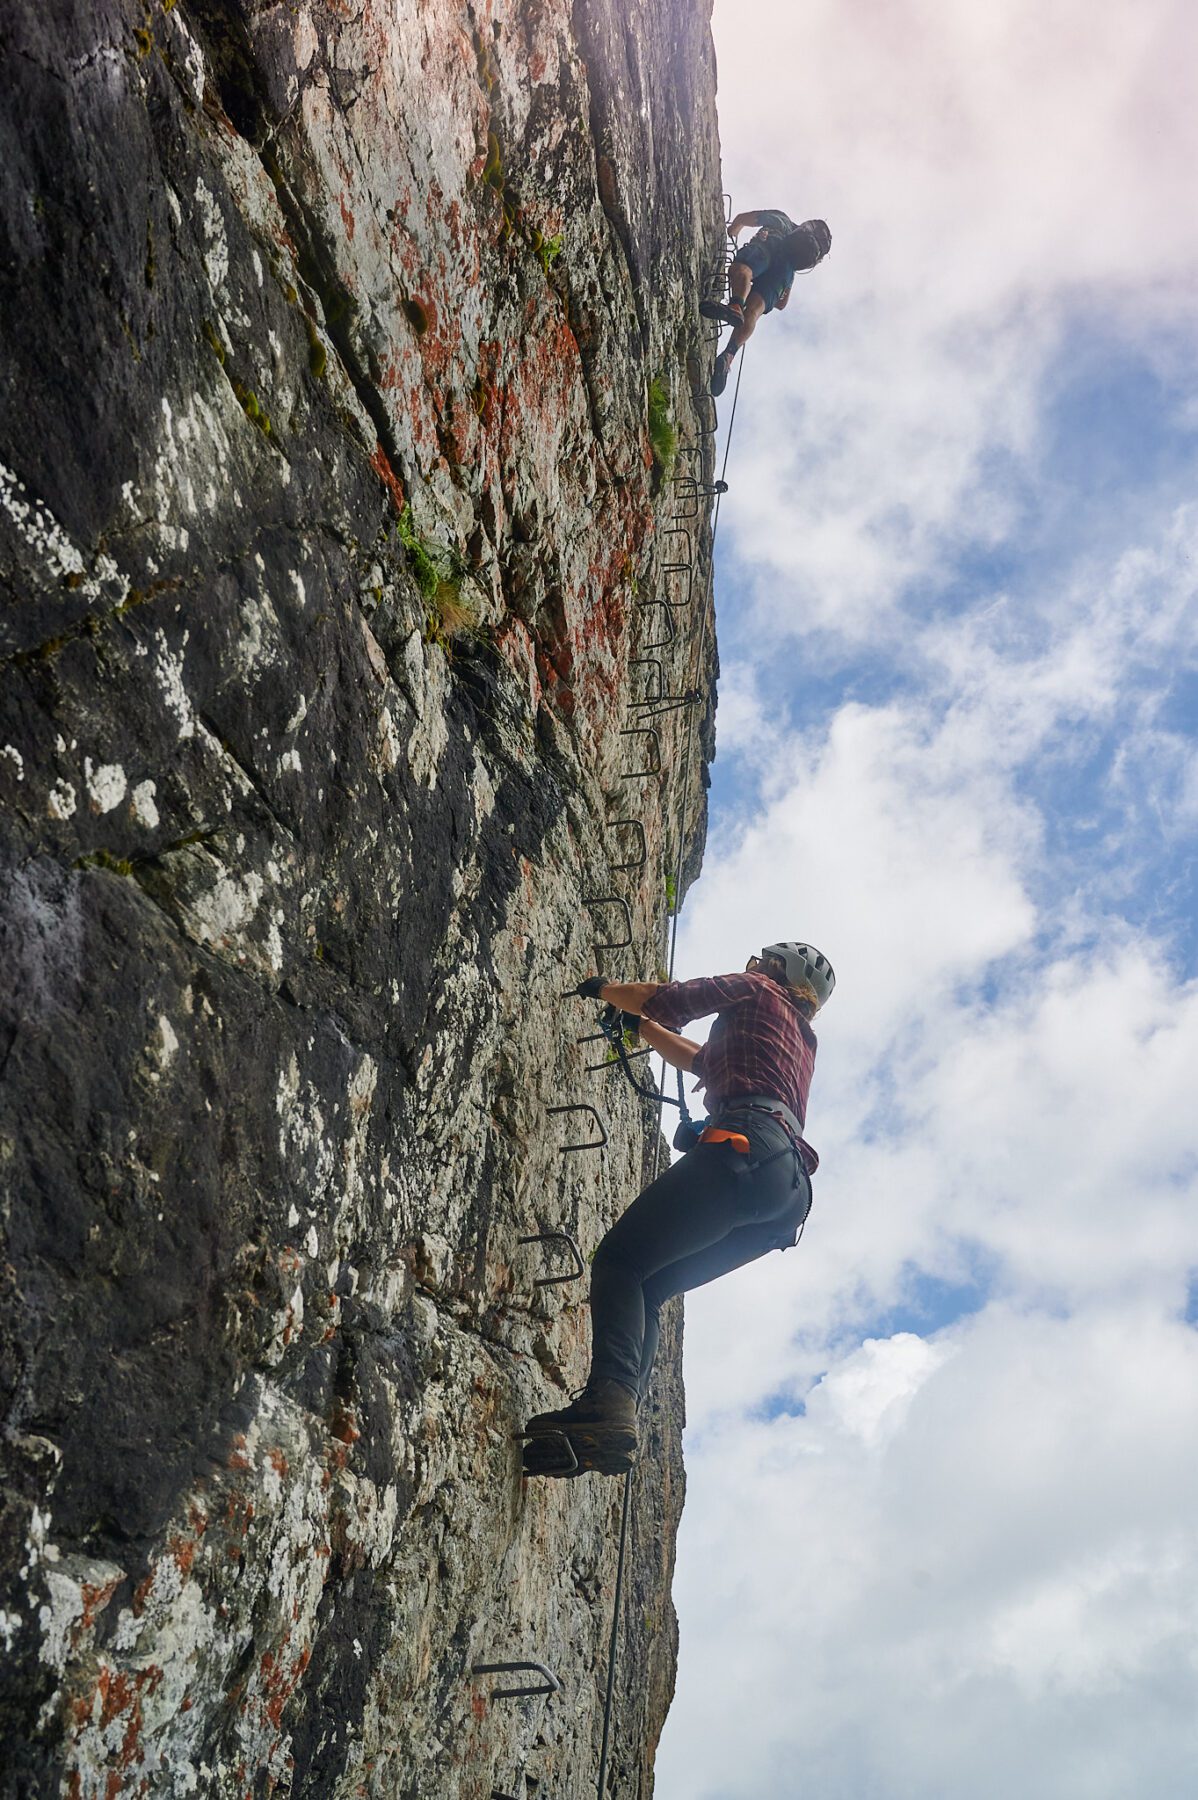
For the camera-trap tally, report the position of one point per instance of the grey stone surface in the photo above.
(296, 863)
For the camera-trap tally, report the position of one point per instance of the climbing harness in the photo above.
(716, 1134)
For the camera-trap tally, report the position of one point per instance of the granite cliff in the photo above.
(340, 564)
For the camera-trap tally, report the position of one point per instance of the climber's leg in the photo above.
(755, 306)
(740, 280)
(697, 1203)
(732, 1252)
(712, 1211)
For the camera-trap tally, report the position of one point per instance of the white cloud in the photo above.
(996, 177)
(1004, 1092)
(967, 1603)
(970, 1566)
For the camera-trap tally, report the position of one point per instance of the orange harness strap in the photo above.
(715, 1134)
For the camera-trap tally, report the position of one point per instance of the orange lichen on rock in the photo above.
(387, 476)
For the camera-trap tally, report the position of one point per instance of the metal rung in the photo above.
(678, 561)
(666, 703)
(549, 1683)
(689, 573)
(654, 767)
(650, 662)
(557, 1237)
(592, 1143)
(637, 862)
(699, 399)
(658, 643)
(568, 1461)
(692, 494)
(615, 900)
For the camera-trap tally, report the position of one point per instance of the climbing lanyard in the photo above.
(611, 1025)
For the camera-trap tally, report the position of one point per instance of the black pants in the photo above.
(711, 1212)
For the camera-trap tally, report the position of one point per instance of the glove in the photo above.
(590, 989)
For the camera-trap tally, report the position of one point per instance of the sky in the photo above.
(941, 1532)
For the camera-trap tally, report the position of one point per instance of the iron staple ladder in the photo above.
(549, 1683)
(696, 667)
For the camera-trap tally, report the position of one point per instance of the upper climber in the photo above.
(761, 276)
(744, 1189)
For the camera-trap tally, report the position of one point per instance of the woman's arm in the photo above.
(740, 221)
(628, 996)
(679, 1052)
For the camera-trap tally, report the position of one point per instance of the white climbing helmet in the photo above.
(805, 967)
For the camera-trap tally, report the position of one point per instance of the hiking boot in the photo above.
(600, 1427)
(728, 313)
(719, 375)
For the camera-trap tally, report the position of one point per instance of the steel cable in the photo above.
(700, 646)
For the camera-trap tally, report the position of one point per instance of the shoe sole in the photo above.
(608, 1450)
(715, 309)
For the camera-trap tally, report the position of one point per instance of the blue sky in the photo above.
(940, 1529)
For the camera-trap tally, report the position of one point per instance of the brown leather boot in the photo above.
(600, 1426)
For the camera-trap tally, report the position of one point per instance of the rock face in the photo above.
(334, 550)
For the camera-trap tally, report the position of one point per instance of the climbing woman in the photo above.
(743, 1189)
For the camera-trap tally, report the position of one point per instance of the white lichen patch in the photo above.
(57, 1618)
(216, 255)
(168, 670)
(259, 640)
(227, 908)
(290, 764)
(193, 441)
(106, 786)
(41, 532)
(141, 803)
(77, 1588)
(52, 547)
(12, 755)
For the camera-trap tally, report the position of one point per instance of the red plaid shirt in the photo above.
(759, 1044)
